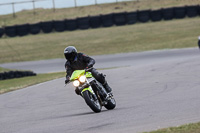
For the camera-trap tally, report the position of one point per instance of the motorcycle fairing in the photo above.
(89, 89)
(77, 73)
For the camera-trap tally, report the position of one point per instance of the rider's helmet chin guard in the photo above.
(70, 53)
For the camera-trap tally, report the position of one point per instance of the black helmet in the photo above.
(70, 53)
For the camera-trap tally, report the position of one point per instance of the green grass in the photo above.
(4, 69)
(130, 38)
(178, 33)
(67, 13)
(18, 83)
(188, 128)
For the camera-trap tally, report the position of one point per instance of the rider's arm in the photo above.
(69, 70)
(90, 61)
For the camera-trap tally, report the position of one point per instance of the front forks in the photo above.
(102, 92)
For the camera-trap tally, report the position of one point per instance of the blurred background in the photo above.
(12, 6)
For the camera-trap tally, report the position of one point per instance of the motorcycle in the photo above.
(92, 91)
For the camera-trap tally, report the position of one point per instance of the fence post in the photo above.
(13, 7)
(34, 7)
(95, 2)
(75, 3)
(54, 8)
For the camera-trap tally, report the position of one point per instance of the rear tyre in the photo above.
(92, 102)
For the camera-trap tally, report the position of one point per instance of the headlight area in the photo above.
(82, 79)
(76, 83)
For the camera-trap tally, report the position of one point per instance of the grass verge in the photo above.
(18, 83)
(178, 33)
(188, 128)
(4, 69)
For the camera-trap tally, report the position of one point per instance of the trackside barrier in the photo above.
(179, 12)
(16, 74)
(22, 30)
(106, 20)
(47, 27)
(35, 28)
(192, 11)
(199, 9)
(168, 13)
(131, 17)
(59, 26)
(156, 15)
(1, 32)
(71, 24)
(10, 31)
(95, 22)
(144, 16)
(119, 18)
(83, 23)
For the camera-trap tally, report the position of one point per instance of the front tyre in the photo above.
(91, 101)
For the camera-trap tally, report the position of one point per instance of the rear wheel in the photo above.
(91, 101)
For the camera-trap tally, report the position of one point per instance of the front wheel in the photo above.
(91, 101)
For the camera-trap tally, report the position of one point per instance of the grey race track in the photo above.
(153, 90)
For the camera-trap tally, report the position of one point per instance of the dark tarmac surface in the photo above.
(107, 61)
(153, 90)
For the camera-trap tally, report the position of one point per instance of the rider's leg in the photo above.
(101, 78)
(108, 88)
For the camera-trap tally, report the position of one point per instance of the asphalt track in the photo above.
(153, 90)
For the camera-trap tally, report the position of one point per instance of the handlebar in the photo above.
(88, 69)
(67, 83)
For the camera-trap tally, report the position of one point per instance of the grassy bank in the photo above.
(189, 128)
(18, 83)
(178, 33)
(4, 69)
(67, 13)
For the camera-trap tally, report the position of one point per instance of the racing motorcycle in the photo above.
(92, 91)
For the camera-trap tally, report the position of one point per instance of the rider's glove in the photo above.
(89, 65)
(66, 81)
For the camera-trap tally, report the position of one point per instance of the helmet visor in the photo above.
(70, 56)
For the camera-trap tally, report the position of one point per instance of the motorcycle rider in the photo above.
(80, 61)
